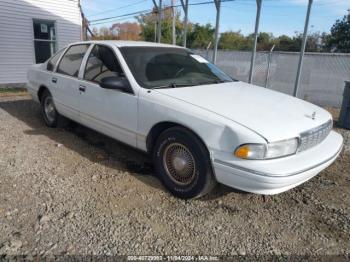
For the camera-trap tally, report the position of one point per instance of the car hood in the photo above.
(271, 114)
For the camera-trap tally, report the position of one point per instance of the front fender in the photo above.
(217, 132)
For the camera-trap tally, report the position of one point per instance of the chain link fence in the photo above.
(322, 77)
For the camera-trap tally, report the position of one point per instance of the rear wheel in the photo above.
(183, 164)
(48, 109)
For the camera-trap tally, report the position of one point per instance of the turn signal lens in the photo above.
(242, 152)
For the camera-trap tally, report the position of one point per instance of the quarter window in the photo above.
(71, 61)
(101, 63)
(53, 61)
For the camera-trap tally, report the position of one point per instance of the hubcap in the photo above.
(49, 108)
(179, 164)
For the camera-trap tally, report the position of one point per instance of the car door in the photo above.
(65, 83)
(47, 77)
(110, 111)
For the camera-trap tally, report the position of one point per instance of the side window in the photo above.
(53, 60)
(71, 61)
(101, 63)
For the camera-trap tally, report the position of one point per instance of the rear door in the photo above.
(65, 83)
(38, 77)
(109, 111)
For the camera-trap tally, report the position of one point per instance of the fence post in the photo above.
(216, 40)
(344, 116)
(268, 67)
(257, 21)
(207, 50)
(302, 51)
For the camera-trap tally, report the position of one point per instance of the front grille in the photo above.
(314, 136)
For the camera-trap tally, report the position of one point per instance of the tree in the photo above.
(287, 43)
(293, 44)
(148, 23)
(314, 42)
(126, 31)
(236, 41)
(104, 33)
(119, 31)
(200, 36)
(265, 41)
(233, 41)
(339, 39)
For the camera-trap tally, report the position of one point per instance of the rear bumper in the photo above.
(32, 92)
(275, 176)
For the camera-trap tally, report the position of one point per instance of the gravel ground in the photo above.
(73, 191)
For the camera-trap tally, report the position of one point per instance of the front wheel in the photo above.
(183, 164)
(48, 110)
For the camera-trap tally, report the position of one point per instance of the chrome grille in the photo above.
(314, 136)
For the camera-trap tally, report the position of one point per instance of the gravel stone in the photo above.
(44, 219)
(97, 196)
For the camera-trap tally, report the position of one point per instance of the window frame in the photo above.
(85, 61)
(45, 40)
(58, 60)
(82, 61)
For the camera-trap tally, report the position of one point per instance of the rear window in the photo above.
(53, 60)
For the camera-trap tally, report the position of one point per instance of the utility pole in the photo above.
(217, 24)
(155, 30)
(159, 21)
(158, 27)
(257, 21)
(185, 8)
(173, 25)
(302, 51)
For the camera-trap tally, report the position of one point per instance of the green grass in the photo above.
(12, 90)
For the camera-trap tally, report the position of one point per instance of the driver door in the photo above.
(108, 111)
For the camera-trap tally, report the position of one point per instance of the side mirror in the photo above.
(113, 82)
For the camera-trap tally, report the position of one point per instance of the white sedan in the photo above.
(200, 125)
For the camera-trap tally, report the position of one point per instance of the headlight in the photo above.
(271, 150)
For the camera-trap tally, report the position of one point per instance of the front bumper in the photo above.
(277, 175)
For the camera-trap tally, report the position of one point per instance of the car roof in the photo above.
(122, 43)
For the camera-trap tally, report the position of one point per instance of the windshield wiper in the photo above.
(214, 81)
(210, 82)
(172, 85)
(175, 85)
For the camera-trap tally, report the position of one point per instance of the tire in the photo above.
(182, 163)
(48, 109)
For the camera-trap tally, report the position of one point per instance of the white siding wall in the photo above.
(16, 32)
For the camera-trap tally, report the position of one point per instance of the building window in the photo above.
(44, 40)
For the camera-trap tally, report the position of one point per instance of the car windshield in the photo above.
(163, 67)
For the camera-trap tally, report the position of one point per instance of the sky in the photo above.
(277, 16)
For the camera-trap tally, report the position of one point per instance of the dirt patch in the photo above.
(9, 91)
(74, 191)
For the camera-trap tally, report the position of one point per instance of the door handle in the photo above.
(54, 80)
(82, 88)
